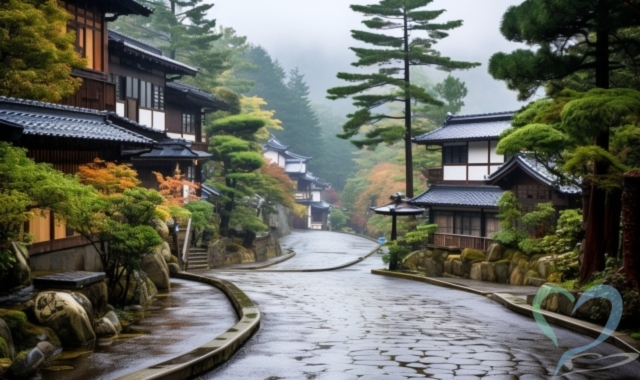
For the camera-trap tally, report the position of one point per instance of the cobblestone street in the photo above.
(350, 324)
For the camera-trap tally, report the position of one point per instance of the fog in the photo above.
(314, 35)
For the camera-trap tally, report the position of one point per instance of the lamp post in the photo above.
(399, 206)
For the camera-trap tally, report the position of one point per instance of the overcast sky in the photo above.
(314, 35)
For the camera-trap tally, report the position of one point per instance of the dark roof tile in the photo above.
(450, 195)
(468, 127)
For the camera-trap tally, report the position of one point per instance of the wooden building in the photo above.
(463, 192)
(310, 191)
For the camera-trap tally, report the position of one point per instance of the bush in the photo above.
(338, 219)
(396, 254)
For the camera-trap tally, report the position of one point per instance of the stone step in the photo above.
(198, 260)
(197, 266)
(197, 250)
(193, 257)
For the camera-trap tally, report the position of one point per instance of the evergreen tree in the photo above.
(396, 53)
(36, 52)
(181, 29)
(573, 37)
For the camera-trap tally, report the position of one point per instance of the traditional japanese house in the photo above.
(89, 21)
(310, 191)
(463, 193)
(65, 137)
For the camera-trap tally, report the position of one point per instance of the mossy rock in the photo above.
(4, 348)
(13, 318)
(504, 261)
(27, 363)
(26, 335)
(174, 259)
(508, 254)
(440, 255)
(453, 257)
(5, 364)
(470, 254)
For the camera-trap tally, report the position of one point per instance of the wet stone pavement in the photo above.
(350, 324)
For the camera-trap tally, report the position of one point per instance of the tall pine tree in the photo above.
(395, 53)
(573, 37)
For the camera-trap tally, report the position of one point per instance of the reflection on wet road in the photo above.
(350, 324)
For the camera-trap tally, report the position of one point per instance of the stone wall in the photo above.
(81, 258)
(267, 247)
(225, 252)
(280, 221)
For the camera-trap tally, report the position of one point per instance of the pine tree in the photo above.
(396, 53)
(572, 37)
(181, 29)
(36, 52)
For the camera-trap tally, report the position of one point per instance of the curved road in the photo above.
(350, 324)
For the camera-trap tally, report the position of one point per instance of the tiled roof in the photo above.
(208, 191)
(450, 195)
(322, 205)
(536, 170)
(125, 7)
(47, 119)
(174, 149)
(275, 144)
(194, 94)
(136, 127)
(132, 46)
(468, 127)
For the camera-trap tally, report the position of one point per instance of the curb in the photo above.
(359, 259)
(281, 259)
(518, 305)
(218, 350)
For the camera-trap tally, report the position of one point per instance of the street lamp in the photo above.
(399, 206)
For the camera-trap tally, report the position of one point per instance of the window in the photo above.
(455, 154)
(188, 123)
(120, 84)
(444, 220)
(158, 97)
(132, 87)
(88, 26)
(532, 191)
(492, 224)
(146, 95)
(191, 173)
(467, 223)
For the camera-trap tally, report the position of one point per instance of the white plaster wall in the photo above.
(120, 109)
(158, 120)
(477, 173)
(281, 161)
(315, 195)
(494, 168)
(455, 173)
(273, 157)
(496, 158)
(478, 152)
(145, 117)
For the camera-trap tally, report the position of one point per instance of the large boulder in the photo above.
(495, 252)
(469, 255)
(104, 328)
(20, 272)
(156, 269)
(475, 273)
(62, 313)
(433, 268)
(502, 271)
(545, 265)
(161, 228)
(7, 350)
(165, 251)
(174, 268)
(488, 270)
(84, 302)
(98, 295)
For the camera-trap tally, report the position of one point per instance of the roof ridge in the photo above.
(38, 103)
(136, 40)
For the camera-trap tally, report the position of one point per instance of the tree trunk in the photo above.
(631, 227)
(596, 242)
(612, 222)
(407, 114)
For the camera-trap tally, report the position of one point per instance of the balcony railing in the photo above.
(434, 175)
(302, 196)
(462, 241)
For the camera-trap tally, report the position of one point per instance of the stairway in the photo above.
(198, 259)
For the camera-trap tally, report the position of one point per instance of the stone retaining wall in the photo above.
(224, 252)
(267, 247)
(82, 258)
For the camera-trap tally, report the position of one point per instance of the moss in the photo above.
(508, 254)
(18, 367)
(439, 255)
(523, 266)
(453, 257)
(4, 348)
(472, 255)
(13, 318)
(30, 335)
(503, 261)
(174, 260)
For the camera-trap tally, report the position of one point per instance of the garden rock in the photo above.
(502, 272)
(488, 271)
(517, 278)
(113, 318)
(156, 269)
(47, 349)
(5, 337)
(544, 266)
(5, 364)
(62, 313)
(433, 268)
(469, 255)
(27, 363)
(495, 252)
(165, 251)
(104, 328)
(98, 295)
(476, 272)
(174, 268)
(84, 302)
(161, 228)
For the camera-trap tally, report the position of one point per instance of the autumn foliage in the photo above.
(175, 189)
(107, 177)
